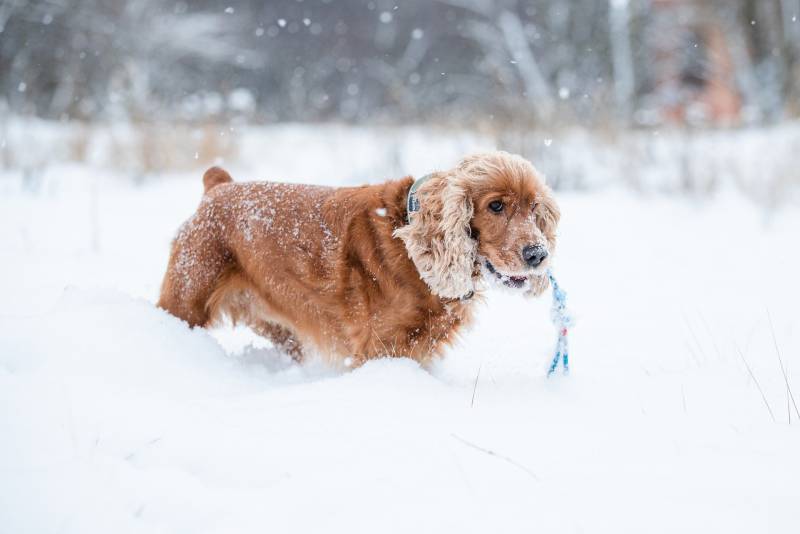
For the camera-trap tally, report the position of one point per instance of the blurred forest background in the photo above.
(502, 66)
(640, 62)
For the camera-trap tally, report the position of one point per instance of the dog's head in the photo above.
(492, 215)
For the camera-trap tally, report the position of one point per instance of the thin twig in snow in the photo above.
(753, 376)
(694, 335)
(710, 335)
(683, 396)
(783, 370)
(475, 387)
(750, 335)
(496, 455)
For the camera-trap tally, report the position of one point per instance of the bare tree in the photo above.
(507, 61)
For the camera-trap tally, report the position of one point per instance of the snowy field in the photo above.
(115, 417)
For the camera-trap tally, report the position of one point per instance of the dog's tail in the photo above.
(214, 177)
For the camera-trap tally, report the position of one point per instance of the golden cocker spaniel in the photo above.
(361, 272)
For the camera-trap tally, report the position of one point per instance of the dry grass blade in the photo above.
(710, 335)
(683, 397)
(694, 337)
(496, 455)
(385, 348)
(753, 376)
(475, 387)
(783, 370)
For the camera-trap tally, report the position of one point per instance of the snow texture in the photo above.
(116, 417)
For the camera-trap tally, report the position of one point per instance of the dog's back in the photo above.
(307, 266)
(247, 248)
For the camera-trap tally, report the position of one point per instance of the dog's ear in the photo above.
(548, 216)
(438, 237)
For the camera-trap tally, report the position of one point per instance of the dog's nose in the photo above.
(534, 254)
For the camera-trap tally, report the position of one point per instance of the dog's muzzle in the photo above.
(516, 282)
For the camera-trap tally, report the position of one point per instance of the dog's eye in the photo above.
(496, 206)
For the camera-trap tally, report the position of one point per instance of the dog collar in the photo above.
(462, 298)
(412, 202)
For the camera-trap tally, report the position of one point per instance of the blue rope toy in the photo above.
(562, 321)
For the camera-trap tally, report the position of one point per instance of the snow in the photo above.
(116, 417)
(761, 161)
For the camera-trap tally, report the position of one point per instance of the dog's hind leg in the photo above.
(197, 265)
(280, 336)
(236, 298)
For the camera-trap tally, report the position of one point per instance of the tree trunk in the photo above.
(622, 59)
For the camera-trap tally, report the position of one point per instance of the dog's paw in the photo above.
(539, 285)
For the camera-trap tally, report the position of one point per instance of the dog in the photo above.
(356, 273)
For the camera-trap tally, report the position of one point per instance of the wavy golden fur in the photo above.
(341, 270)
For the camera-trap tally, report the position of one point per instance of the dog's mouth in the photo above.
(513, 281)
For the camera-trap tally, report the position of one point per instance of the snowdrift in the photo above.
(116, 417)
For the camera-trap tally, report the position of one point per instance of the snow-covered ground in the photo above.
(115, 417)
